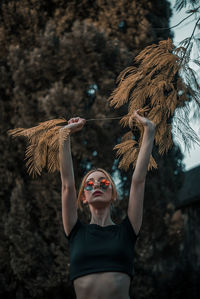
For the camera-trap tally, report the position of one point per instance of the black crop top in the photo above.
(93, 248)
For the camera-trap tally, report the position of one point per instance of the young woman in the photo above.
(102, 252)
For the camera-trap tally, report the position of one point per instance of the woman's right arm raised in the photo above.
(69, 197)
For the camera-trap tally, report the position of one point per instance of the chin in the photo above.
(99, 203)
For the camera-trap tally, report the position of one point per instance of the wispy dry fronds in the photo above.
(155, 84)
(43, 145)
(180, 4)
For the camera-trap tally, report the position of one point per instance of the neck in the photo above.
(101, 216)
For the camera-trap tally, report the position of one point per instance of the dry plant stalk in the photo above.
(154, 87)
(43, 145)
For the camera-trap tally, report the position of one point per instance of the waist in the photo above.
(107, 285)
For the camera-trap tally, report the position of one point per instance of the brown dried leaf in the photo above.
(43, 145)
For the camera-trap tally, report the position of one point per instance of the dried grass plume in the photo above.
(154, 85)
(43, 145)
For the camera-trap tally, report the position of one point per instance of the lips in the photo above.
(97, 193)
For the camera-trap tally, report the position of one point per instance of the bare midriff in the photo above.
(103, 285)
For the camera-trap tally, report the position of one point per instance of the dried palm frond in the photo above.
(127, 145)
(156, 84)
(125, 119)
(43, 145)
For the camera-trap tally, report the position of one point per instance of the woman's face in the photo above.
(98, 190)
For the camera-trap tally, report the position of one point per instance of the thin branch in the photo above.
(106, 118)
(91, 119)
(189, 40)
(166, 28)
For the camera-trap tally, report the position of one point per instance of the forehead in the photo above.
(96, 175)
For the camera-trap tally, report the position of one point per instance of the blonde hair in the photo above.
(81, 189)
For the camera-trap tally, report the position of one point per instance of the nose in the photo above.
(96, 184)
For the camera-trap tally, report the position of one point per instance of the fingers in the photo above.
(137, 118)
(73, 120)
(134, 115)
(141, 120)
(76, 120)
(137, 115)
(75, 124)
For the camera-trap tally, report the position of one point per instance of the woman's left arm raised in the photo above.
(136, 197)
